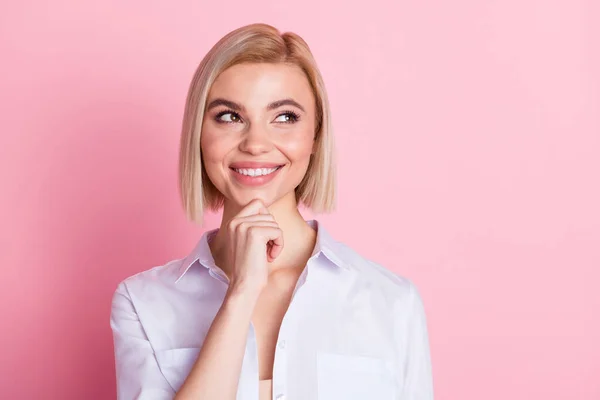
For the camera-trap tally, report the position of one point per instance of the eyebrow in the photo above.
(237, 107)
(224, 102)
(284, 102)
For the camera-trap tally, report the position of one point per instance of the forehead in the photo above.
(261, 83)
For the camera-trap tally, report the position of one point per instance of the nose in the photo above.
(255, 141)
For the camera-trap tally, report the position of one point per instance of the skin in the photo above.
(263, 242)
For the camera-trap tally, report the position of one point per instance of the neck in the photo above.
(298, 237)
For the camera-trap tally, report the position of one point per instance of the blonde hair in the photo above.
(255, 43)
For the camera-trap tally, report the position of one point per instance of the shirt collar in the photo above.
(201, 253)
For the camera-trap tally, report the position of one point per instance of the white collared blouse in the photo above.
(353, 330)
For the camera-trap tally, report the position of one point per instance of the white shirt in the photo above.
(353, 330)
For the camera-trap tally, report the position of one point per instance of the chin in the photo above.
(242, 199)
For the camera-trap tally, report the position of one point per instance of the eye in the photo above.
(228, 117)
(288, 117)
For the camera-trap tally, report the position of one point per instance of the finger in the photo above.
(275, 248)
(264, 210)
(235, 223)
(263, 231)
(249, 212)
(255, 217)
(251, 208)
(245, 226)
(272, 236)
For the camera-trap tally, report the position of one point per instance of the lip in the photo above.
(254, 181)
(253, 165)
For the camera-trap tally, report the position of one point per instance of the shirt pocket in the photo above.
(176, 364)
(350, 377)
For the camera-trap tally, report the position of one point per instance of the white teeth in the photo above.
(255, 172)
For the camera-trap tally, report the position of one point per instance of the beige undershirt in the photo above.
(265, 389)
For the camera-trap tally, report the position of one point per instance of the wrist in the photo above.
(247, 287)
(243, 294)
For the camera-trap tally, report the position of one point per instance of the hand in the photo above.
(253, 240)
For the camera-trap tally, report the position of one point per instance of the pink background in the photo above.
(469, 140)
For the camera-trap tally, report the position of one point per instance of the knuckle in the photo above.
(231, 225)
(254, 231)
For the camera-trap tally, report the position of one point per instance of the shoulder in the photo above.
(150, 281)
(377, 276)
(387, 289)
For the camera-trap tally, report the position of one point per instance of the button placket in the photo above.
(280, 366)
(252, 353)
(280, 369)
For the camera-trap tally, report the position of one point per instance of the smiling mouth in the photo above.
(256, 172)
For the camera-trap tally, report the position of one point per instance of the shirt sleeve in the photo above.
(418, 379)
(138, 374)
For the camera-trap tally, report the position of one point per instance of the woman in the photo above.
(268, 305)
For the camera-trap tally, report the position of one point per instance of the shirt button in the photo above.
(280, 397)
(282, 344)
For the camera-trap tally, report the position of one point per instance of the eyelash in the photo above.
(295, 117)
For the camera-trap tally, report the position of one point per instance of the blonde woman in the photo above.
(268, 305)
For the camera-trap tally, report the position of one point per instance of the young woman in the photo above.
(268, 305)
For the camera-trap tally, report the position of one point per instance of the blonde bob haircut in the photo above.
(255, 43)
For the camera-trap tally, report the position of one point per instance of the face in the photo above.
(258, 132)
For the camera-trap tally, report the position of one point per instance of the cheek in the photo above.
(298, 148)
(213, 148)
(213, 151)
